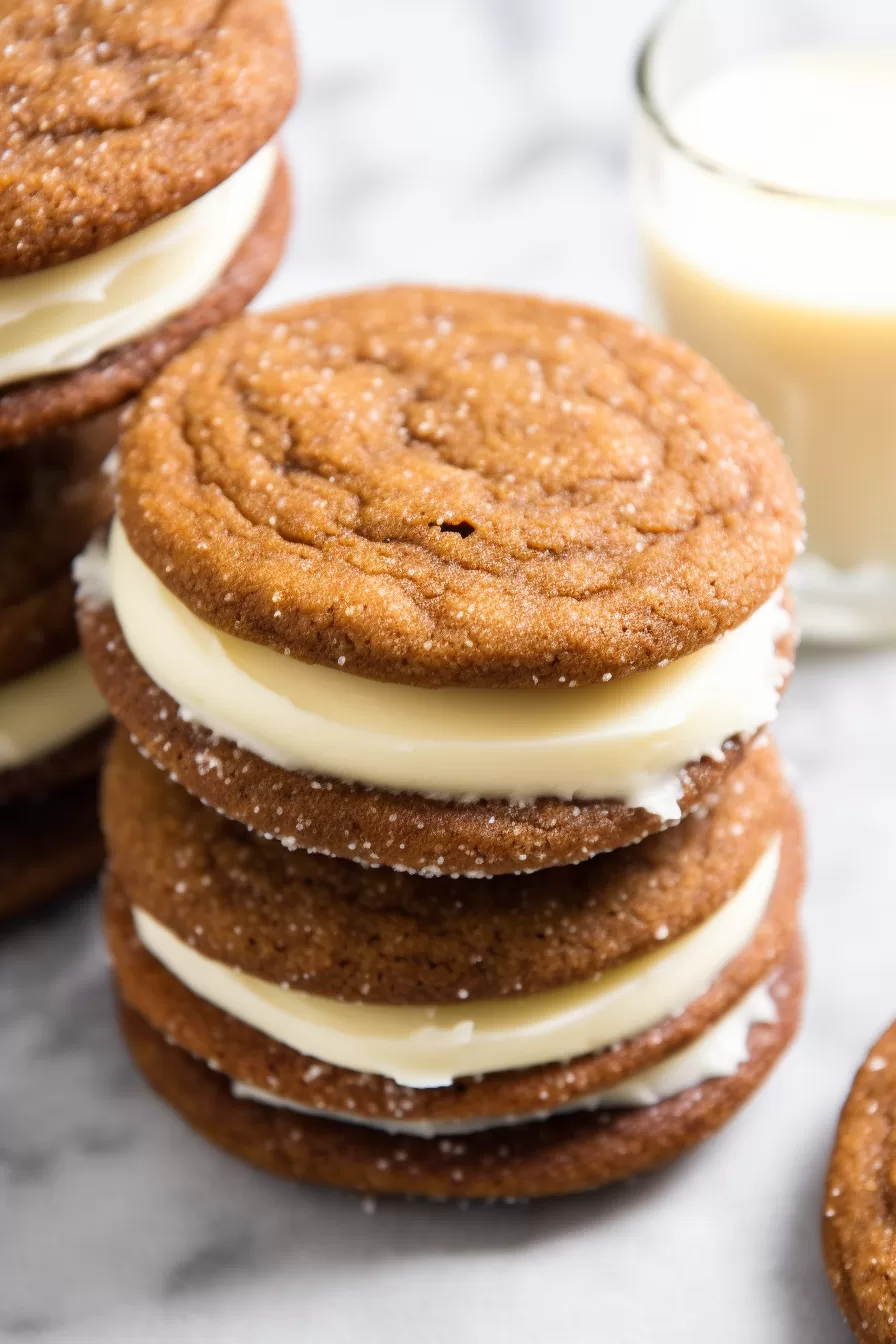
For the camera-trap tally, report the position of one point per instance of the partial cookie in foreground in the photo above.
(859, 1223)
(569, 1153)
(450, 581)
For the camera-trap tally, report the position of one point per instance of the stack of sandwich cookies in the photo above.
(140, 203)
(335, 1023)
(450, 585)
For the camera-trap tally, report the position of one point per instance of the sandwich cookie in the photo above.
(141, 198)
(858, 1223)
(656, 988)
(449, 581)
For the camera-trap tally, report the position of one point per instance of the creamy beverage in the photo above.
(781, 268)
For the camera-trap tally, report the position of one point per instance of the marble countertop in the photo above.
(480, 141)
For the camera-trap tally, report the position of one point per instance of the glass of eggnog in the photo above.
(765, 176)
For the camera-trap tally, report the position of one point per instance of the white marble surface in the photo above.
(479, 141)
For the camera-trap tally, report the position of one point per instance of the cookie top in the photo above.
(859, 1222)
(442, 487)
(330, 927)
(118, 113)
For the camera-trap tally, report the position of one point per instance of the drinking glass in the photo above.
(778, 261)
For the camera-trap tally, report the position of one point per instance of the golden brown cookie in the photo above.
(334, 928)
(859, 1222)
(373, 826)
(48, 844)
(567, 1153)
(454, 488)
(242, 1052)
(118, 114)
(42, 405)
(53, 497)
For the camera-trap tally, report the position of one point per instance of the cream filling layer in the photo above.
(430, 1046)
(62, 318)
(718, 1053)
(46, 710)
(626, 739)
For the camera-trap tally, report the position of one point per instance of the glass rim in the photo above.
(725, 172)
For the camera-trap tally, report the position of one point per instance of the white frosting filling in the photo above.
(626, 739)
(46, 709)
(430, 1046)
(62, 318)
(718, 1053)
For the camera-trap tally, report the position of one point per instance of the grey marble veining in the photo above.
(480, 141)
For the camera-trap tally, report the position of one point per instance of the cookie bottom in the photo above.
(407, 831)
(47, 845)
(560, 1155)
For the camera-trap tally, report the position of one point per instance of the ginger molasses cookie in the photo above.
(412, 1067)
(445, 488)
(331, 927)
(479, 668)
(858, 1223)
(580, 1150)
(125, 113)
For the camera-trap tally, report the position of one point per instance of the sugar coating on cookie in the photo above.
(858, 1221)
(123, 112)
(331, 927)
(167, 994)
(577, 1151)
(449, 488)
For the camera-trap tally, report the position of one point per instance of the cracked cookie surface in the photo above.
(440, 487)
(118, 113)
